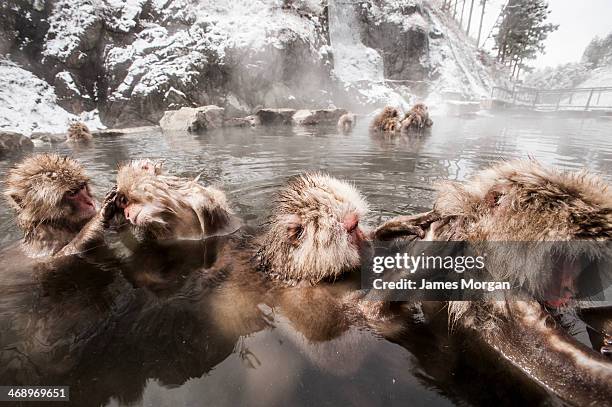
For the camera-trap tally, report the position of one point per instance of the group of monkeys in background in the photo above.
(387, 121)
(314, 237)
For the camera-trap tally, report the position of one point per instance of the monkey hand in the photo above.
(109, 208)
(406, 226)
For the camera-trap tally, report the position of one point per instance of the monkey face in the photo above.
(49, 188)
(80, 202)
(543, 230)
(315, 232)
(162, 207)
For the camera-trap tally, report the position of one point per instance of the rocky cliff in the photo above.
(134, 59)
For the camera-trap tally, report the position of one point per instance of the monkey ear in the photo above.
(294, 226)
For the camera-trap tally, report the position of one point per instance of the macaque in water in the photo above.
(386, 121)
(522, 201)
(347, 122)
(313, 233)
(160, 206)
(417, 118)
(53, 202)
(78, 132)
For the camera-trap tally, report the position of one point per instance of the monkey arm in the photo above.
(414, 225)
(529, 340)
(599, 327)
(93, 232)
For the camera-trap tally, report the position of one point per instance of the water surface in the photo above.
(120, 345)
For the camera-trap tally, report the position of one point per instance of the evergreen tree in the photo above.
(522, 32)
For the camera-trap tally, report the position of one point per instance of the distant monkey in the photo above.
(347, 122)
(416, 118)
(78, 132)
(53, 202)
(386, 121)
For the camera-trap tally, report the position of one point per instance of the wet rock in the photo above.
(193, 119)
(108, 133)
(320, 116)
(275, 116)
(69, 95)
(14, 143)
(248, 121)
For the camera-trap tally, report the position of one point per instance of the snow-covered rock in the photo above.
(135, 59)
(193, 120)
(28, 104)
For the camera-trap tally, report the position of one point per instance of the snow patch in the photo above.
(28, 104)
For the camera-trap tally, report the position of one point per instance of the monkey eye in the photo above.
(122, 200)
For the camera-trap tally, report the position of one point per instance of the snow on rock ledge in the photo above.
(28, 104)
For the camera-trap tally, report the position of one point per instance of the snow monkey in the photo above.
(53, 202)
(522, 201)
(347, 122)
(386, 121)
(78, 132)
(161, 206)
(313, 233)
(416, 118)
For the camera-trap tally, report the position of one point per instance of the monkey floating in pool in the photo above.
(78, 132)
(522, 201)
(416, 119)
(386, 121)
(160, 206)
(347, 122)
(55, 209)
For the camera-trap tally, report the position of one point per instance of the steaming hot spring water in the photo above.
(274, 364)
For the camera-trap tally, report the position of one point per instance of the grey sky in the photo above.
(579, 22)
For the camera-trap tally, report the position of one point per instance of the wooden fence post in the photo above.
(588, 103)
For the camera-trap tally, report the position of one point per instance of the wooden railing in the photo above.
(556, 99)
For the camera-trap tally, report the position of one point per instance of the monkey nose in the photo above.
(351, 222)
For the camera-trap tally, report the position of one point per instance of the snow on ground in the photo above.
(67, 23)
(251, 24)
(456, 59)
(356, 65)
(28, 104)
(599, 77)
(160, 56)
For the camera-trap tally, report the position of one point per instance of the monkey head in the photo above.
(78, 131)
(313, 233)
(49, 189)
(543, 230)
(389, 112)
(160, 206)
(420, 108)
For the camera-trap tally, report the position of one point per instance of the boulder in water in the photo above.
(13, 143)
(314, 117)
(275, 116)
(193, 119)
